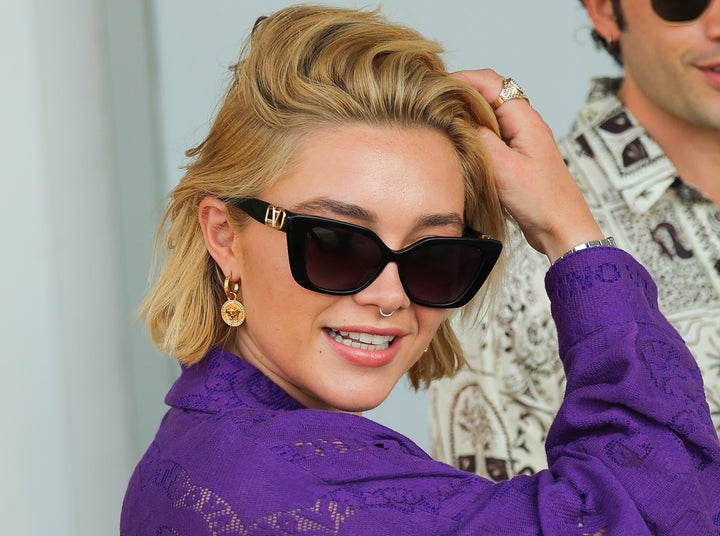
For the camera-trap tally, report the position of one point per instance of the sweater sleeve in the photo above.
(632, 449)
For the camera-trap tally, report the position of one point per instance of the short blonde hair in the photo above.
(304, 68)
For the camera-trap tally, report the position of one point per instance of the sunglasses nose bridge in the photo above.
(386, 289)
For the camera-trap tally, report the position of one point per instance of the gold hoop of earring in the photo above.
(232, 311)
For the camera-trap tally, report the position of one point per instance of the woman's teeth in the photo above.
(364, 341)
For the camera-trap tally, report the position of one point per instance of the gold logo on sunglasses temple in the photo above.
(275, 217)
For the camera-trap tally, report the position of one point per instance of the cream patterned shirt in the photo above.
(493, 419)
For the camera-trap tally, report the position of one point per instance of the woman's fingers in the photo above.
(490, 85)
(533, 181)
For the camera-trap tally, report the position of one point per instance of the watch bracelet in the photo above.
(608, 241)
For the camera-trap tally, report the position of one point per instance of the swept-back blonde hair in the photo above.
(305, 68)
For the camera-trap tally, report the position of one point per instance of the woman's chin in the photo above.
(365, 401)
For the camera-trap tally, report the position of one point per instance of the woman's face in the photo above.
(404, 184)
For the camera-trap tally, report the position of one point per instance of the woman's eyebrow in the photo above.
(350, 210)
(338, 208)
(442, 220)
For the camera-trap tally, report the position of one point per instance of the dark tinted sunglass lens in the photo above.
(679, 10)
(441, 273)
(338, 258)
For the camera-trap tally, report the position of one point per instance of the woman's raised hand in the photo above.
(533, 181)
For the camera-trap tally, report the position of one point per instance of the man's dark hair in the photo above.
(613, 47)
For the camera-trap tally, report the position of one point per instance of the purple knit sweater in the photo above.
(632, 450)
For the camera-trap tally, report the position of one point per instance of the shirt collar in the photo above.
(222, 381)
(626, 154)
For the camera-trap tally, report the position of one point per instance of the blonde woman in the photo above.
(343, 205)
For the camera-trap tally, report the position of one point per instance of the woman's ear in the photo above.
(602, 14)
(219, 235)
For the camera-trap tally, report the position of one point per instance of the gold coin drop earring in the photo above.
(232, 311)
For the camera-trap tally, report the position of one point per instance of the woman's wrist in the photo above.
(571, 237)
(608, 241)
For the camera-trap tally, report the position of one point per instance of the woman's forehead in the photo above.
(379, 164)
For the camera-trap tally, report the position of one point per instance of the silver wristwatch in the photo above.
(606, 242)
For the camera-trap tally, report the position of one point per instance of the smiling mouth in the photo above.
(710, 67)
(363, 341)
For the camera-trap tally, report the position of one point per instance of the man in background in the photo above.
(645, 150)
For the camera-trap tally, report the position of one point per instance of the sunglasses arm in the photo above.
(261, 211)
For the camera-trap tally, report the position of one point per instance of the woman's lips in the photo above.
(364, 341)
(363, 348)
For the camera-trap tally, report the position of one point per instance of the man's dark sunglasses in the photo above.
(335, 257)
(679, 10)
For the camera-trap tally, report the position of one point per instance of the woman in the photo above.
(341, 206)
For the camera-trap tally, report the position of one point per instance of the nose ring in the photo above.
(384, 314)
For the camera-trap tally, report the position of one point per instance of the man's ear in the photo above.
(603, 18)
(219, 235)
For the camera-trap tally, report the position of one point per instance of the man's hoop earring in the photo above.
(232, 311)
(384, 314)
